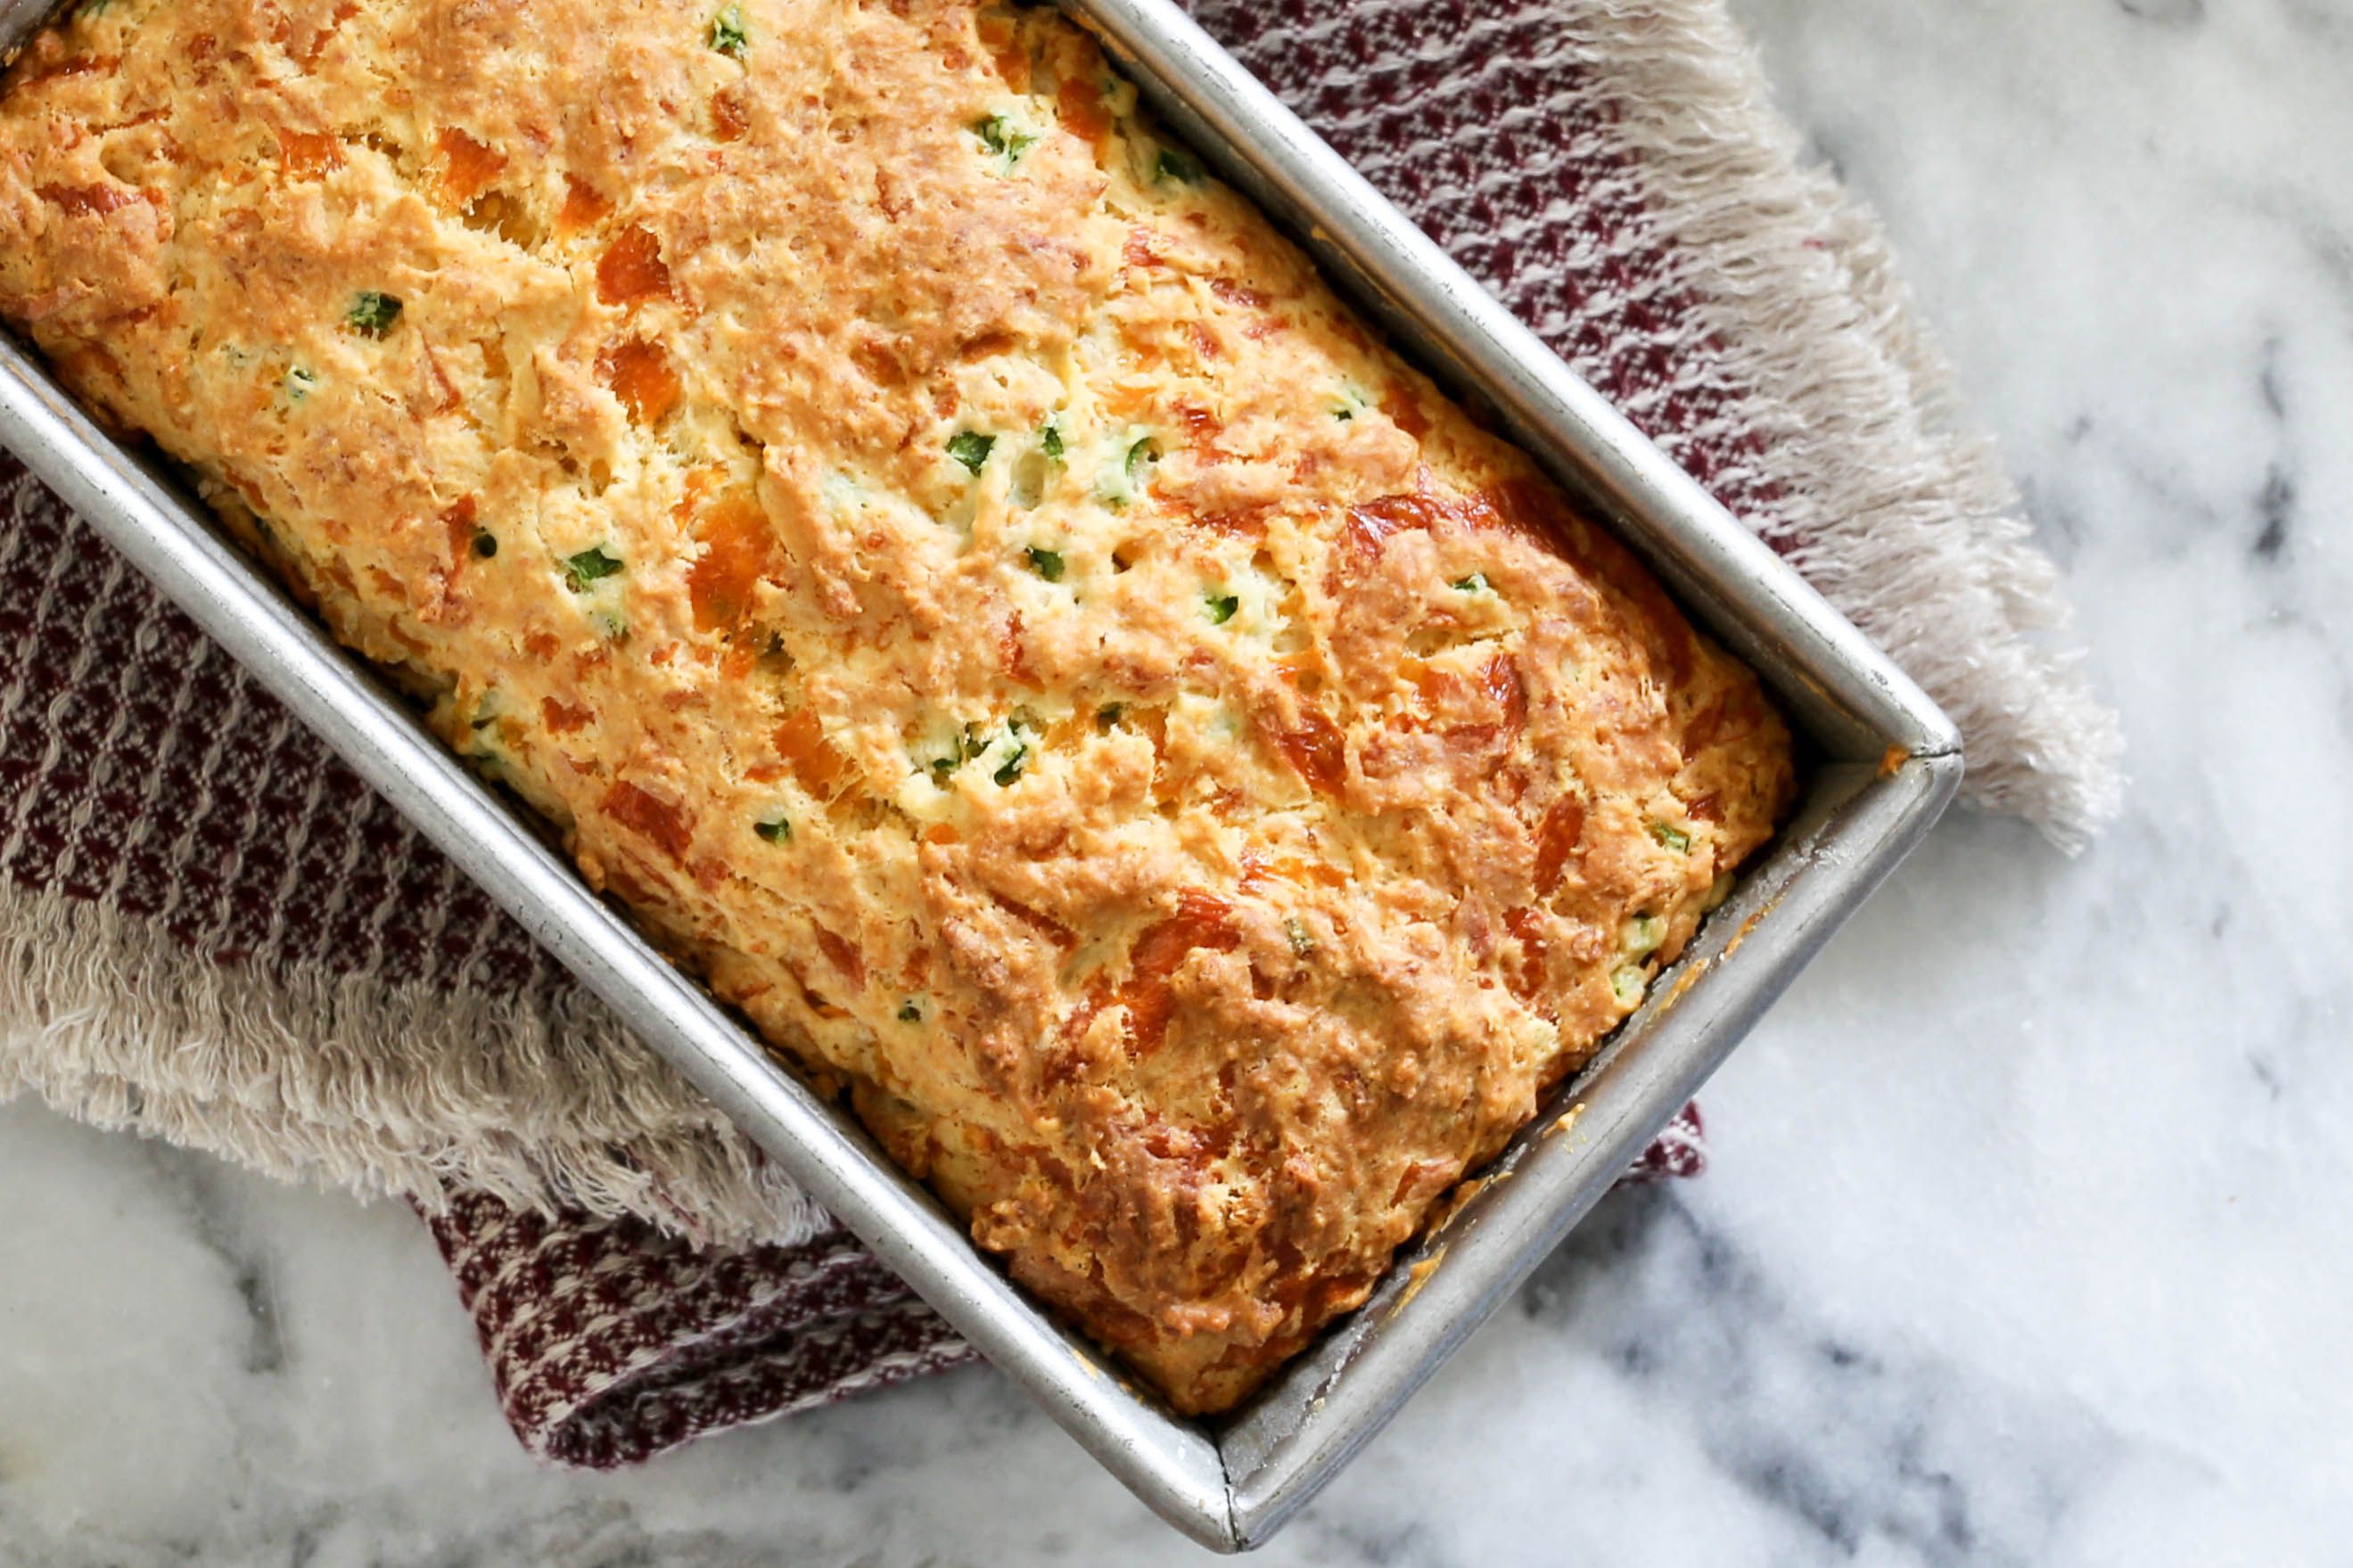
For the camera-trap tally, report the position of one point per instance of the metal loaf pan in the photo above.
(1887, 762)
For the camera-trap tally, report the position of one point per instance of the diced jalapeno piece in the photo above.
(373, 313)
(1474, 584)
(588, 566)
(1047, 564)
(1672, 838)
(970, 744)
(971, 448)
(1002, 137)
(1116, 487)
(1011, 747)
(728, 35)
(910, 1011)
(780, 831)
(1049, 440)
(1178, 167)
(1642, 936)
(1222, 607)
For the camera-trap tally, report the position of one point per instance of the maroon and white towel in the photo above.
(611, 1341)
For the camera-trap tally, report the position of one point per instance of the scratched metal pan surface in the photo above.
(1886, 762)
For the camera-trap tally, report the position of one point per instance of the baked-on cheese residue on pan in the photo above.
(950, 570)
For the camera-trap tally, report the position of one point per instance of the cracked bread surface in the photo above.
(946, 564)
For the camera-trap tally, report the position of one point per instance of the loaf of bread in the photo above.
(948, 568)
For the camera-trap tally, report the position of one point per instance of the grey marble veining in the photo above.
(2030, 1235)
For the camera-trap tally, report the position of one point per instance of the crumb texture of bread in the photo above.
(946, 564)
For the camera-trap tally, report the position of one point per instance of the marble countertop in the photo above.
(2029, 1232)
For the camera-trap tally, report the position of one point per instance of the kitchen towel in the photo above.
(611, 1341)
(212, 933)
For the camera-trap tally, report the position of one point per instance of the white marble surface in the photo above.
(2030, 1237)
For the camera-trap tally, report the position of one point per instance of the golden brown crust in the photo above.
(952, 571)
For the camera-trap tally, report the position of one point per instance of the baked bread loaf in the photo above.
(946, 564)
